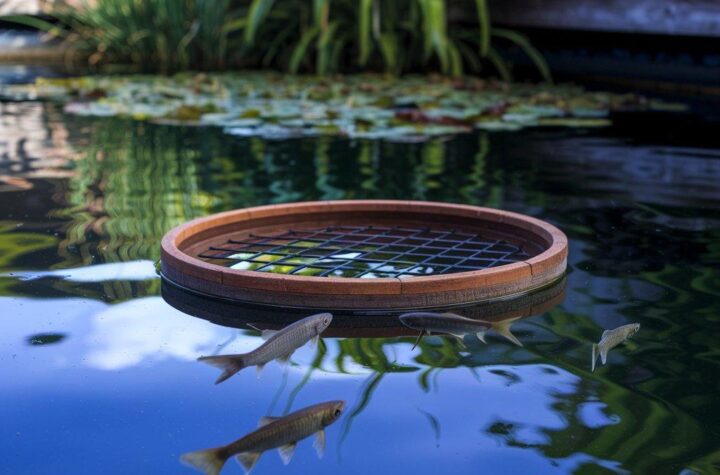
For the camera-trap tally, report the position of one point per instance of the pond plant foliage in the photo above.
(318, 36)
(373, 106)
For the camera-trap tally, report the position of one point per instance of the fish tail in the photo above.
(603, 354)
(230, 364)
(503, 328)
(208, 461)
(594, 355)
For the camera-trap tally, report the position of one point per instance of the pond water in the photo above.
(99, 372)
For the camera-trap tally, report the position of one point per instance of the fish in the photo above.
(282, 433)
(280, 345)
(610, 339)
(450, 323)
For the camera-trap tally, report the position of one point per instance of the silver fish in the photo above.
(450, 323)
(456, 325)
(282, 433)
(279, 345)
(610, 339)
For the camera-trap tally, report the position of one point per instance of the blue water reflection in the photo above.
(99, 374)
(132, 365)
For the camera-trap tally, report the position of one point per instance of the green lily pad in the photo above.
(274, 106)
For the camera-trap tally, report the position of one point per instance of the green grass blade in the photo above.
(435, 32)
(33, 22)
(364, 30)
(484, 24)
(535, 56)
(455, 60)
(324, 53)
(389, 51)
(499, 64)
(321, 12)
(301, 48)
(470, 56)
(256, 14)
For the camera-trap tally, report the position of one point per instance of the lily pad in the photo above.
(414, 108)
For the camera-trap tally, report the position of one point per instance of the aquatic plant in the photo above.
(321, 36)
(153, 35)
(277, 106)
(399, 36)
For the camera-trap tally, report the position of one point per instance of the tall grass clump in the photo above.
(153, 35)
(454, 37)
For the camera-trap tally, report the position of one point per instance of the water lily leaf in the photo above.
(574, 122)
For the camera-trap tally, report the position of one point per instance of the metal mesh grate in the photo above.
(364, 252)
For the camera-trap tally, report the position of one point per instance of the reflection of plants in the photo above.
(316, 363)
(132, 184)
(135, 181)
(15, 245)
(366, 392)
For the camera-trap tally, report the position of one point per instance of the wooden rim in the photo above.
(546, 243)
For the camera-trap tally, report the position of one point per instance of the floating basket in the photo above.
(370, 254)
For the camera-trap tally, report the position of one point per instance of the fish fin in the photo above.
(248, 460)
(284, 358)
(267, 420)
(603, 355)
(286, 452)
(594, 356)
(417, 340)
(267, 334)
(314, 340)
(450, 314)
(230, 364)
(264, 334)
(319, 443)
(503, 328)
(481, 336)
(208, 461)
(258, 369)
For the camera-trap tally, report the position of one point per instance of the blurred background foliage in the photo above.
(454, 37)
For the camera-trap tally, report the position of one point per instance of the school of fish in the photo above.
(284, 433)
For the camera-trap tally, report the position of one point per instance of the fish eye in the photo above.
(326, 321)
(337, 412)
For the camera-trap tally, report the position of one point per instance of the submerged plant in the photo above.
(319, 36)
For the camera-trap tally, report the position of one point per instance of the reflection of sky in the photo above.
(124, 335)
(157, 402)
(131, 270)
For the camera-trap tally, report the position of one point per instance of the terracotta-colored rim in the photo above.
(545, 243)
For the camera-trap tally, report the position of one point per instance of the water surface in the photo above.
(99, 372)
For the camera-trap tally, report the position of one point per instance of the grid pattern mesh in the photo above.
(364, 252)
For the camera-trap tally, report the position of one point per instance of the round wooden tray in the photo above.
(197, 255)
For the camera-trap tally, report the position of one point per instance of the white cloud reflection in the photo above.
(131, 270)
(148, 330)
